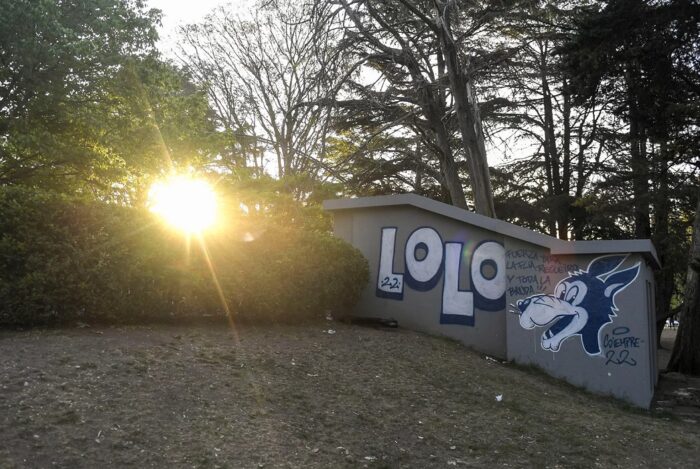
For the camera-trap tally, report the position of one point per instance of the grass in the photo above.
(301, 397)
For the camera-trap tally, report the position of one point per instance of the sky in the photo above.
(179, 12)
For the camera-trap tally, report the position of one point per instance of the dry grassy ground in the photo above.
(301, 397)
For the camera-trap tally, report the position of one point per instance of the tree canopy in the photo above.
(578, 118)
(86, 104)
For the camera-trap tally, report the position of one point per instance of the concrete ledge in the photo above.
(556, 246)
(641, 246)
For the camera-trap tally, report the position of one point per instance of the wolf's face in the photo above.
(581, 305)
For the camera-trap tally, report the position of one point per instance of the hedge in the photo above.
(64, 259)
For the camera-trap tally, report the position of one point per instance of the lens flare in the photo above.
(187, 204)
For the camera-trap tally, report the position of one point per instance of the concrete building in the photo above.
(582, 311)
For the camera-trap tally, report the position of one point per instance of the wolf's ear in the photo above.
(605, 264)
(619, 280)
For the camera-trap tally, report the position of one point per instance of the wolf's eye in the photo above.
(576, 293)
(560, 291)
(572, 294)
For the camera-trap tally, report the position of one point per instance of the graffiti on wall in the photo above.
(619, 345)
(581, 305)
(427, 258)
(531, 271)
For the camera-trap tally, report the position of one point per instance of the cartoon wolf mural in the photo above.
(581, 305)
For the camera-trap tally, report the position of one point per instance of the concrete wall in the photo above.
(621, 359)
(584, 314)
(421, 309)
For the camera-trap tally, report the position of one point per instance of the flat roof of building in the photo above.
(555, 245)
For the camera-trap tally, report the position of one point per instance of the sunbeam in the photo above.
(229, 315)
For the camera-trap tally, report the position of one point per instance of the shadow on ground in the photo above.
(322, 395)
(676, 394)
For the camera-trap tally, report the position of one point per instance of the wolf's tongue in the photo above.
(558, 326)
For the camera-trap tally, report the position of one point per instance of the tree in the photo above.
(373, 161)
(427, 81)
(265, 77)
(685, 357)
(465, 104)
(55, 57)
(534, 110)
(88, 106)
(158, 121)
(642, 57)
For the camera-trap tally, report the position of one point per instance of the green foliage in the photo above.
(641, 55)
(289, 274)
(289, 201)
(87, 106)
(157, 120)
(65, 259)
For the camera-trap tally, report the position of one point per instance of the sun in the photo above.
(185, 203)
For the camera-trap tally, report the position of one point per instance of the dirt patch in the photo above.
(675, 394)
(325, 395)
(679, 395)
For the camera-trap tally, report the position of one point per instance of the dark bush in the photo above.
(64, 260)
(289, 274)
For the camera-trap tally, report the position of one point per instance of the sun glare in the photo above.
(187, 204)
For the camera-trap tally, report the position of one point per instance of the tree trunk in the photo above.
(565, 205)
(664, 276)
(551, 220)
(551, 153)
(418, 180)
(579, 218)
(686, 351)
(468, 118)
(639, 167)
(448, 168)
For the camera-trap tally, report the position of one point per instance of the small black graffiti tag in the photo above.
(618, 346)
(387, 282)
